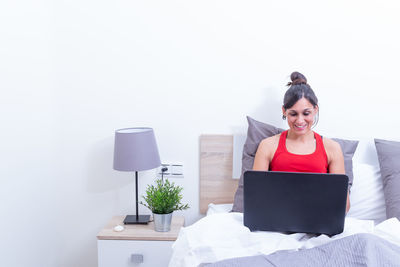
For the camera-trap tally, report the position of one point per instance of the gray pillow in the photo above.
(389, 162)
(348, 150)
(256, 132)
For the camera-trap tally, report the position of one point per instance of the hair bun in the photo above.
(297, 78)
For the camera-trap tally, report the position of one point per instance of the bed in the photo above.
(371, 235)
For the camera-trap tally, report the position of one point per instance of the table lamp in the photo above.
(135, 149)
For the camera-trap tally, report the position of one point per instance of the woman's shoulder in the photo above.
(270, 142)
(331, 145)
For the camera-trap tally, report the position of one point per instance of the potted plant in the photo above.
(162, 199)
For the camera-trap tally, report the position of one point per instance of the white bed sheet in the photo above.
(221, 235)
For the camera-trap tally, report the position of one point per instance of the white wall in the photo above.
(71, 72)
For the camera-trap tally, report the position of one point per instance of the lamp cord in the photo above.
(164, 169)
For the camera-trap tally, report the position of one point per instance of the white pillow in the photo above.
(219, 208)
(367, 201)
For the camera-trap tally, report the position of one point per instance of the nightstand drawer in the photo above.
(118, 253)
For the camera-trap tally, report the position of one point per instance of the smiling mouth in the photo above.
(300, 127)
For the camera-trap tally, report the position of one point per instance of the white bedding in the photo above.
(221, 235)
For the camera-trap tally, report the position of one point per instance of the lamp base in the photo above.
(142, 219)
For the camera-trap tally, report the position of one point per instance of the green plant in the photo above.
(164, 197)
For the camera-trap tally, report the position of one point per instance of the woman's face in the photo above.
(300, 116)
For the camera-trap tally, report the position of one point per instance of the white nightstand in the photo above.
(137, 245)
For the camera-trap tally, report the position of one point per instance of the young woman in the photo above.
(299, 149)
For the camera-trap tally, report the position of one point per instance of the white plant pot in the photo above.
(162, 222)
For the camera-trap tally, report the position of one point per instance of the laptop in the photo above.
(295, 202)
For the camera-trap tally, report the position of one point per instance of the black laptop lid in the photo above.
(295, 202)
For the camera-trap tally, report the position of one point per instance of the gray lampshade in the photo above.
(135, 149)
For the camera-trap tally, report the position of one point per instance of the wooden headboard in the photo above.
(216, 183)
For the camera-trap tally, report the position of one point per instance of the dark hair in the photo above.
(298, 89)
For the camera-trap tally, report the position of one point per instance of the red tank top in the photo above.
(285, 161)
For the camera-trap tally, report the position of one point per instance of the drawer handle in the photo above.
(137, 258)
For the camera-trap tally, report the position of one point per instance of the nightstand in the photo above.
(137, 245)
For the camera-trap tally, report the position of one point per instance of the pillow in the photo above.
(366, 200)
(256, 132)
(218, 208)
(389, 162)
(348, 149)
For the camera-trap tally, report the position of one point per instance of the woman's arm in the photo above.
(261, 162)
(263, 155)
(335, 161)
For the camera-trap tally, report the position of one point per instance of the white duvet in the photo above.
(221, 236)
